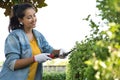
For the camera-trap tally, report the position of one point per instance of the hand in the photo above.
(62, 53)
(41, 58)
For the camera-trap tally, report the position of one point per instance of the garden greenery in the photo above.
(8, 4)
(54, 76)
(98, 56)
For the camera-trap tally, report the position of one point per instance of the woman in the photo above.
(25, 47)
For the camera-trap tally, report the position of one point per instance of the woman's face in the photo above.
(29, 20)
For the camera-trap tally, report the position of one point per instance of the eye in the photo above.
(29, 17)
(34, 15)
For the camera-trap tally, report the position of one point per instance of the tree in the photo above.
(7, 4)
(110, 10)
(98, 56)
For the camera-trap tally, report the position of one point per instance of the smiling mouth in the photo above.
(33, 23)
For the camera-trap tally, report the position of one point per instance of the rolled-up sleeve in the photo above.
(12, 51)
(11, 60)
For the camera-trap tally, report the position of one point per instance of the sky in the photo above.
(61, 22)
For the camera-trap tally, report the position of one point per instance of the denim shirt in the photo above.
(17, 47)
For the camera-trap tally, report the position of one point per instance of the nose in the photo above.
(34, 19)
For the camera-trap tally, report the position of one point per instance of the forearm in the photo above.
(21, 63)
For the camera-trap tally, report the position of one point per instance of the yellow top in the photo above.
(33, 67)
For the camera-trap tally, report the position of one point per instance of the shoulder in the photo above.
(37, 33)
(16, 33)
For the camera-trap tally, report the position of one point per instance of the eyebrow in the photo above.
(30, 15)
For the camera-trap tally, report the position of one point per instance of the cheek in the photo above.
(35, 19)
(26, 23)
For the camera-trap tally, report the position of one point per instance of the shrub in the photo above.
(54, 76)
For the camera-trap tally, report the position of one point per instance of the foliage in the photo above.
(54, 76)
(7, 4)
(98, 56)
(110, 10)
(87, 51)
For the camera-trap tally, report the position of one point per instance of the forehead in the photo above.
(29, 11)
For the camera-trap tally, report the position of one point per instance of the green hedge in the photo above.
(54, 76)
(97, 57)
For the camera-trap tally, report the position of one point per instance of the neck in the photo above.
(28, 30)
(29, 34)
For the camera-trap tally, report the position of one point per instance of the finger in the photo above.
(48, 58)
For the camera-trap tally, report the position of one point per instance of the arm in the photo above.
(13, 54)
(40, 58)
(46, 48)
(21, 63)
(14, 62)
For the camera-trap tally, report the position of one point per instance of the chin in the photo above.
(34, 26)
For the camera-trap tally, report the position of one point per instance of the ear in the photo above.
(19, 19)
